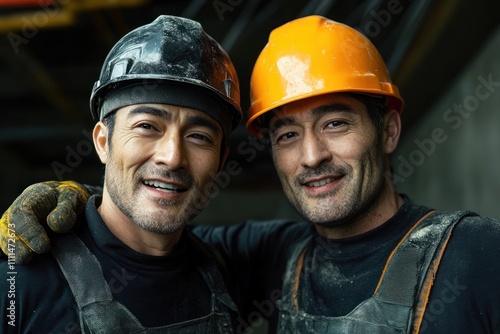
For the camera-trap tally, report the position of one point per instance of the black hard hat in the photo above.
(173, 61)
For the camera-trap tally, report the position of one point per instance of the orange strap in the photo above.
(396, 248)
(423, 297)
(424, 294)
(295, 291)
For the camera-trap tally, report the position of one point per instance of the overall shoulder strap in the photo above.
(213, 269)
(294, 266)
(398, 303)
(412, 266)
(99, 313)
(81, 269)
(449, 220)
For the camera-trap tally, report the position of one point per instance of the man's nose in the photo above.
(171, 152)
(315, 150)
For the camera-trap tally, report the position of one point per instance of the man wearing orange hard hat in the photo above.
(373, 262)
(367, 259)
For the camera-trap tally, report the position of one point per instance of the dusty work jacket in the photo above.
(99, 285)
(303, 283)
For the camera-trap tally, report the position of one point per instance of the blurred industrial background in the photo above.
(444, 55)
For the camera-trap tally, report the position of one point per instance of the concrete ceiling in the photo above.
(51, 52)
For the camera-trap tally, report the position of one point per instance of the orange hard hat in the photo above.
(312, 56)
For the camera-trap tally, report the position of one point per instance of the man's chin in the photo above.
(329, 223)
(163, 229)
(161, 223)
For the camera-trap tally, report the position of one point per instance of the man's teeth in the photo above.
(162, 185)
(320, 182)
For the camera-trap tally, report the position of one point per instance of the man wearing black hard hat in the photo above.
(366, 259)
(166, 100)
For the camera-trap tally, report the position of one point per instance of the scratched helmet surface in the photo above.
(312, 56)
(172, 52)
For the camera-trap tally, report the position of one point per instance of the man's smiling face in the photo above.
(328, 156)
(161, 164)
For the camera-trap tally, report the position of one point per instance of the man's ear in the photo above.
(100, 136)
(392, 131)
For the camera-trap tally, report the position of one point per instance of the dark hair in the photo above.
(376, 107)
(109, 121)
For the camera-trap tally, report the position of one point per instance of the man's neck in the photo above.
(132, 235)
(379, 212)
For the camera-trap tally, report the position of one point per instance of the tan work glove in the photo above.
(21, 227)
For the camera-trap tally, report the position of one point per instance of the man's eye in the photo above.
(199, 136)
(334, 124)
(146, 126)
(285, 136)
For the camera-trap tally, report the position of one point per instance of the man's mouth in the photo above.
(321, 182)
(163, 186)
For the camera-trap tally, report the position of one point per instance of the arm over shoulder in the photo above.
(256, 253)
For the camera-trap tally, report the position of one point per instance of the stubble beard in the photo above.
(162, 220)
(328, 212)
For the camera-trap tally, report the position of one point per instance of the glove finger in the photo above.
(71, 202)
(14, 248)
(63, 218)
(23, 254)
(28, 212)
(7, 235)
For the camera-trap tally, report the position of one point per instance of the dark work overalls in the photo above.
(100, 313)
(399, 301)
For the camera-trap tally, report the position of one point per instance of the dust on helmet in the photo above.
(312, 56)
(171, 60)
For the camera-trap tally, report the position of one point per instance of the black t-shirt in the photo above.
(157, 290)
(340, 274)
